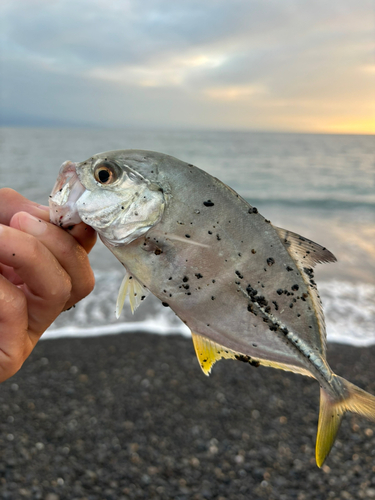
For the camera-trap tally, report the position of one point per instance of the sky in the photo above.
(272, 65)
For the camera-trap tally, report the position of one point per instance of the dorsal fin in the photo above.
(303, 250)
(137, 293)
(306, 255)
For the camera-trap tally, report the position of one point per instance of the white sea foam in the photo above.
(158, 326)
(349, 310)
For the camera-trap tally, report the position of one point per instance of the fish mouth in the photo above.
(65, 194)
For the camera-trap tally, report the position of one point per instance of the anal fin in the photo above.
(208, 352)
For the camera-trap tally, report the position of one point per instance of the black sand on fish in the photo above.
(132, 417)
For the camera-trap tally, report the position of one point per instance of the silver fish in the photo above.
(244, 287)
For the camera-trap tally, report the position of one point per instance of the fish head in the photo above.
(108, 195)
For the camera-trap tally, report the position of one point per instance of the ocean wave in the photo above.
(349, 310)
(160, 327)
(316, 203)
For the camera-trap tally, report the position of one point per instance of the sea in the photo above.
(320, 186)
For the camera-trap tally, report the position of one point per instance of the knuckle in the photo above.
(19, 358)
(33, 247)
(62, 289)
(17, 307)
(84, 287)
(66, 288)
(84, 280)
(11, 363)
(89, 284)
(14, 307)
(6, 194)
(67, 245)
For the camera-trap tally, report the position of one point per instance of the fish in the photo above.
(244, 287)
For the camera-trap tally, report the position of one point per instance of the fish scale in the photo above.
(244, 287)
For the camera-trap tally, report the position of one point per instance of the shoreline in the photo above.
(349, 313)
(132, 416)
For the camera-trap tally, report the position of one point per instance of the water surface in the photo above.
(320, 186)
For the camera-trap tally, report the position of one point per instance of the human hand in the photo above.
(44, 270)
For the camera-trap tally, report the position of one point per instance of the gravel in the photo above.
(133, 417)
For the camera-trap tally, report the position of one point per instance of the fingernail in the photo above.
(32, 225)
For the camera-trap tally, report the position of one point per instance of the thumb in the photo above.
(84, 234)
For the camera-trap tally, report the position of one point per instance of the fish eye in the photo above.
(105, 173)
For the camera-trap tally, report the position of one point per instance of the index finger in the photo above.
(12, 202)
(46, 285)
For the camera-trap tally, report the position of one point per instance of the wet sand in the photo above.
(133, 417)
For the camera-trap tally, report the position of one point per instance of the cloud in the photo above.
(235, 92)
(244, 63)
(170, 71)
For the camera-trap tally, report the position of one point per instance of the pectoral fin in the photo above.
(137, 293)
(121, 296)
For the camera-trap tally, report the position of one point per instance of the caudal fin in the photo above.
(332, 410)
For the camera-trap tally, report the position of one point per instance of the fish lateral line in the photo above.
(314, 359)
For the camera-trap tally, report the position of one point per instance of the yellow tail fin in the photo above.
(331, 412)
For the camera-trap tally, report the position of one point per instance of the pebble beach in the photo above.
(131, 416)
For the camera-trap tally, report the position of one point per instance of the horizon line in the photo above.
(176, 128)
